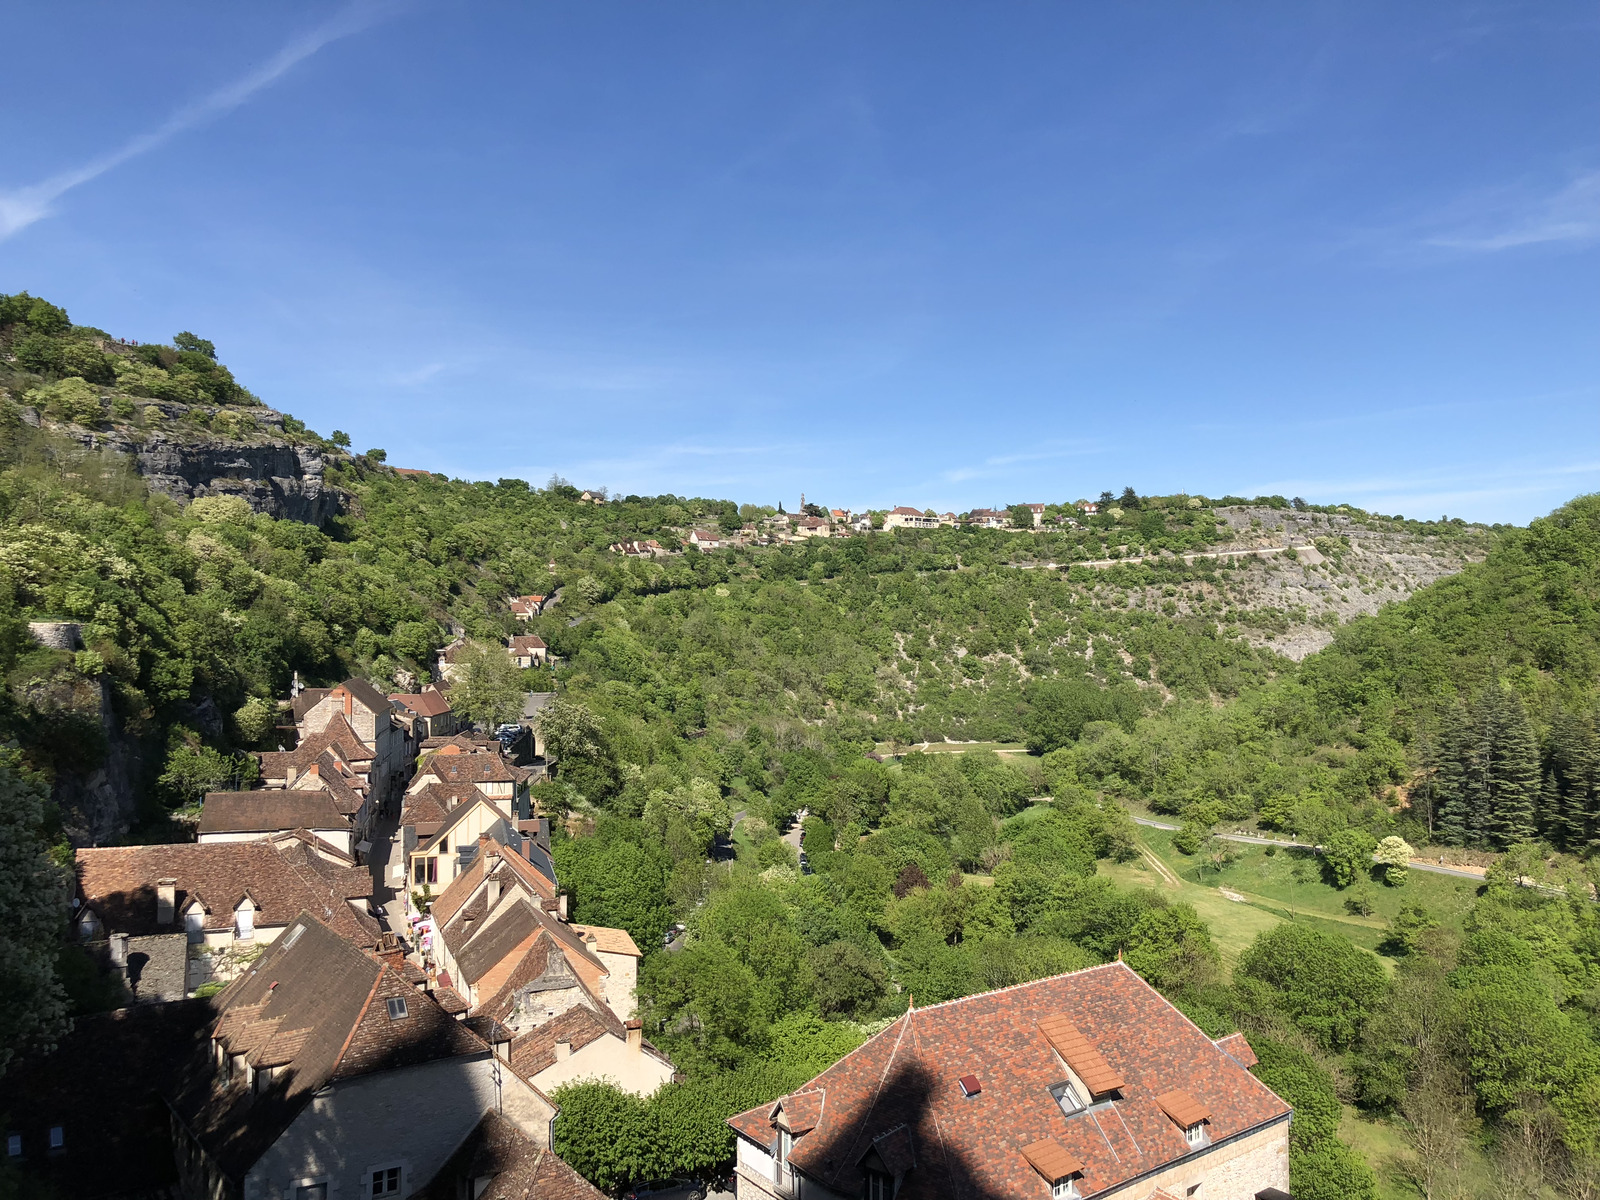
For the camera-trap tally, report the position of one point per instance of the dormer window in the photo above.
(88, 925)
(1191, 1117)
(397, 1008)
(1064, 1189)
(878, 1186)
(58, 1139)
(244, 920)
(13, 1145)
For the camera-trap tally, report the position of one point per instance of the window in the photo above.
(419, 872)
(1067, 1097)
(785, 1144)
(386, 1182)
(444, 845)
(13, 1145)
(244, 919)
(194, 922)
(293, 936)
(1195, 1135)
(58, 1139)
(1064, 1189)
(397, 1008)
(879, 1186)
(311, 1191)
(433, 871)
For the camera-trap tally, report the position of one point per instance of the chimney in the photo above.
(561, 906)
(314, 770)
(636, 1036)
(563, 1051)
(349, 703)
(166, 900)
(119, 950)
(494, 892)
(291, 775)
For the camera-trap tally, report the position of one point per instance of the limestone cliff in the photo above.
(189, 451)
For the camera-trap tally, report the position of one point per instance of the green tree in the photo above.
(33, 897)
(1320, 1166)
(1172, 948)
(198, 345)
(340, 438)
(846, 980)
(1348, 855)
(1323, 983)
(617, 878)
(576, 741)
(605, 1134)
(487, 689)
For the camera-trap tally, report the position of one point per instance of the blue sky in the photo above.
(930, 254)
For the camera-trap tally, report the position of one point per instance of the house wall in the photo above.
(622, 984)
(1235, 1171)
(607, 1057)
(414, 1118)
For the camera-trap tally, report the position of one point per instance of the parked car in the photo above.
(673, 933)
(665, 1189)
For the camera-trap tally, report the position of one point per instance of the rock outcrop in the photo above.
(178, 451)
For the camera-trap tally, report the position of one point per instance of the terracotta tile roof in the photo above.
(1182, 1108)
(908, 1076)
(427, 703)
(459, 813)
(316, 1007)
(509, 932)
(612, 941)
(450, 1000)
(1081, 1055)
(1235, 1046)
(535, 1051)
(523, 643)
(308, 699)
(282, 877)
(520, 870)
(270, 810)
(903, 511)
(515, 1167)
(1048, 1157)
(467, 768)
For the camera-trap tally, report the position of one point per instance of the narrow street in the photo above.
(384, 848)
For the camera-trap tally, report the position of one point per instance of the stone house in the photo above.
(329, 1076)
(704, 540)
(567, 992)
(809, 527)
(988, 518)
(486, 769)
(528, 650)
(525, 608)
(370, 715)
(431, 714)
(1038, 513)
(224, 900)
(1087, 1084)
(909, 518)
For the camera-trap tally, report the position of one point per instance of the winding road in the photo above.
(1416, 863)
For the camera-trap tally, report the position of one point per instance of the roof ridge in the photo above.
(1030, 983)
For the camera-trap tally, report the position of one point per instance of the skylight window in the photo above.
(397, 1008)
(1067, 1097)
(293, 936)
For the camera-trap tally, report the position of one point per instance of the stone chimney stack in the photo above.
(563, 1051)
(561, 906)
(166, 900)
(494, 893)
(636, 1036)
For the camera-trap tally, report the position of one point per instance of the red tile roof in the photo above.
(429, 703)
(1235, 1046)
(907, 1076)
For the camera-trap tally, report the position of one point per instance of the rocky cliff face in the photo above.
(179, 451)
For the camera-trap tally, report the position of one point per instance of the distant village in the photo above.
(814, 521)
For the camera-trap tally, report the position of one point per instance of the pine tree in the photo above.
(1448, 789)
(1571, 792)
(1510, 769)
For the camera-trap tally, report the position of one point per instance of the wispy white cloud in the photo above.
(22, 206)
(1507, 220)
(998, 466)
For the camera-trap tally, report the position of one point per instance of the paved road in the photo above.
(384, 850)
(1416, 864)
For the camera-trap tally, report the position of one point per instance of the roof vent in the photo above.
(970, 1085)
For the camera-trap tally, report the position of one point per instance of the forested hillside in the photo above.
(709, 698)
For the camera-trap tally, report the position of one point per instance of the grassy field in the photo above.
(1267, 885)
